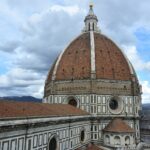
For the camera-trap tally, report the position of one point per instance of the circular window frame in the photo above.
(119, 108)
(74, 98)
(113, 104)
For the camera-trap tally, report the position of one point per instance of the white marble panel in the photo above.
(5, 145)
(13, 145)
(20, 143)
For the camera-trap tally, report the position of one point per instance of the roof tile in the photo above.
(118, 125)
(91, 147)
(75, 62)
(30, 109)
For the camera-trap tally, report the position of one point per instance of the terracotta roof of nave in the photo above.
(91, 147)
(9, 109)
(118, 125)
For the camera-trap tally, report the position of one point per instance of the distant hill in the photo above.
(22, 98)
(145, 111)
(146, 106)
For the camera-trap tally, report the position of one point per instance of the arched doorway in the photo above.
(53, 144)
(72, 102)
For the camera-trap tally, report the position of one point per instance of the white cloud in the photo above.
(34, 53)
(19, 76)
(146, 90)
(10, 13)
(9, 46)
(139, 65)
(21, 82)
(48, 26)
(4, 81)
(71, 10)
(134, 57)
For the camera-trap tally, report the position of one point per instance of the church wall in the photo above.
(67, 135)
(99, 104)
(94, 97)
(98, 124)
(99, 87)
(119, 140)
(137, 129)
(97, 130)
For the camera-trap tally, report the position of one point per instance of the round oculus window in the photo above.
(72, 102)
(113, 104)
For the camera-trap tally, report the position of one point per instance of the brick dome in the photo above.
(91, 56)
(75, 62)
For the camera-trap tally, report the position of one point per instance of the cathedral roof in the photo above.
(91, 147)
(9, 109)
(118, 125)
(75, 62)
(91, 55)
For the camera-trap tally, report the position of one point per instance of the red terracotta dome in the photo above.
(91, 55)
(75, 62)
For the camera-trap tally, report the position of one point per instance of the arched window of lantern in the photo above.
(117, 140)
(127, 140)
(89, 26)
(107, 138)
(93, 26)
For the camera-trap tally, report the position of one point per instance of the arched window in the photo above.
(82, 137)
(117, 140)
(72, 102)
(127, 140)
(93, 26)
(107, 138)
(89, 26)
(53, 144)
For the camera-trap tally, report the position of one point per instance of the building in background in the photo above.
(92, 99)
(145, 124)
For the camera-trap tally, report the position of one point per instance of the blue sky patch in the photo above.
(143, 43)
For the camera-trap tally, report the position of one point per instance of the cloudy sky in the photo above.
(34, 32)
